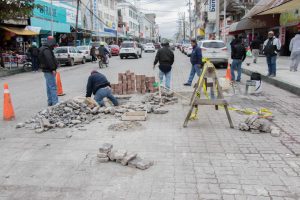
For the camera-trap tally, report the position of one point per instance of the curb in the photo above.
(10, 72)
(283, 85)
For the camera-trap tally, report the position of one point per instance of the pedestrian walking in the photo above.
(196, 61)
(238, 55)
(34, 54)
(295, 51)
(49, 64)
(93, 54)
(165, 57)
(255, 48)
(271, 48)
(99, 86)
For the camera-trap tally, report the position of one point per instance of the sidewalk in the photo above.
(8, 72)
(284, 79)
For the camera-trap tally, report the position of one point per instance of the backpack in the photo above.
(255, 76)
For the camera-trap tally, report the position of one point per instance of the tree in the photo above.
(13, 9)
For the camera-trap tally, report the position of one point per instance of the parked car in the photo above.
(115, 50)
(215, 51)
(157, 45)
(130, 48)
(183, 46)
(149, 47)
(97, 45)
(86, 51)
(69, 55)
(172, 46)
(186, 47)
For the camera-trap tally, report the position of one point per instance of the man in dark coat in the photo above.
(49, 64)
(238, 55)
(165, 57)
(196, 61)
(100, 87)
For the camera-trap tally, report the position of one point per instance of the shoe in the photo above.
(272, 75)
(187, 84)
(238, 81)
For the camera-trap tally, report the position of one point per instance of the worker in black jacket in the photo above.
(238, 55)
(165, 57)
(49, 64)
(255, 48)
(100, 87)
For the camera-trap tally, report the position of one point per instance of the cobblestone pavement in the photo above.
(206, 160)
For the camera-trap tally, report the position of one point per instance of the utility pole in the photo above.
(217, 19)
(184, 26)
(52, 18)
(76, 26)
(190, 18)
(225, 21)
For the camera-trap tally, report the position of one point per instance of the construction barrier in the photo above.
(8, 110)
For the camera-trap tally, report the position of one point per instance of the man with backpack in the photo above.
(49, 64)
(34, 54)
(271, 48)
(238, 55)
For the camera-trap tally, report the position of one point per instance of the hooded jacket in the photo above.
(48, 62)
(165, 57)
(96, 81)
(196, 56)
(295, 43)
(271, 46)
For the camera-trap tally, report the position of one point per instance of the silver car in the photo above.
(86, 51)
(69, 55)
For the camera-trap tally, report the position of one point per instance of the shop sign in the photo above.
(95, 6)
(70, 13)
(45, 10)
(282, 34)
(290, 18)
(212, 5)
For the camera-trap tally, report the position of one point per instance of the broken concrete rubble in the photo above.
(124, 126)
(122, 156)
(258, 125)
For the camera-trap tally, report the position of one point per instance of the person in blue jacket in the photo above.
(100, 87)
(196, 61)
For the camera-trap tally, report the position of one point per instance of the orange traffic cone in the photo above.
(228, 73)
(8, 110)
(60, 91)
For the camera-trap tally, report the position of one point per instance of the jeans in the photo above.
(105, 92)
(167, 77)
(94, 58)
(295, 60)
(236, 64)
(271, 60)
(35, 63)
(255, 53)
(195, 69)
(51, 88)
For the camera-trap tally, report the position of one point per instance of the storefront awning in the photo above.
(247, 24)
(285, 7)
(18, 31)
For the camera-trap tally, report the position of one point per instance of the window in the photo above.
(73, 50)
(213, 45)
(112, 4)
(106, 3)
(61, 50)
(127, 45)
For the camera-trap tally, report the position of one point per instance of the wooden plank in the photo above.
(210, 102)
(135, 116)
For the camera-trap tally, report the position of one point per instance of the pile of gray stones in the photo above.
(78, 111)
(107, 153)
(257, 125)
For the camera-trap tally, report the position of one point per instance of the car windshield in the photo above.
(149, 44)
(215, 45)
(114, 46)
(127, 45)
(61, 50)
(82, 48)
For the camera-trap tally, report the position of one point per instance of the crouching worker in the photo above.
(100, 87)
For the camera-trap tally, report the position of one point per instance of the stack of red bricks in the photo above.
(128, 83)
(149, 85)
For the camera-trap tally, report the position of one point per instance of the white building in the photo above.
(130, 19)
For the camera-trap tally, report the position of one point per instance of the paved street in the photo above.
(206, 160)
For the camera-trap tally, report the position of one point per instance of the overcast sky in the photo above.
(167, 14)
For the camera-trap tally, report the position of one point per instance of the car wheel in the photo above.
(71, 63)
(141, 55)
(136, 56)
(121, 57)
(83, 60)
